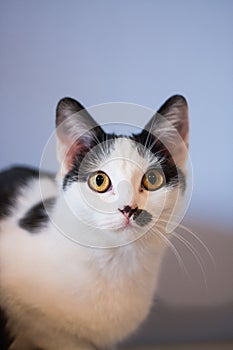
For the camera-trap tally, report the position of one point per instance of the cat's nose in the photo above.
(128, 211)
(125, 193)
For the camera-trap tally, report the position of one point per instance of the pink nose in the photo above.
(128, 211)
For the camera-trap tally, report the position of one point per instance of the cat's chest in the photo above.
(72, 291)
(102, 295)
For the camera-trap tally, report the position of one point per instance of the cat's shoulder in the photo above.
(12, 177)
(11, 181)
(20, 181)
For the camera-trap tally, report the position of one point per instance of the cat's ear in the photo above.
(77, 131)
(171, 126)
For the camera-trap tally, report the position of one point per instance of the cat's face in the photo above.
(122, 184)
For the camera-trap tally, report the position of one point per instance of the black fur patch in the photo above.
(37, 216)
(142, 217)
(6, 338)
(11, 180)
(88, 154)
(173, 175)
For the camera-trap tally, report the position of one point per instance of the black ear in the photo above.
(171, 126)
(175, 110)
(76, 131)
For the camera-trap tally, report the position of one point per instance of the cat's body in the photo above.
(67, 286)
(58, 294)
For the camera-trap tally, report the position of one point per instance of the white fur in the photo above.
(72, 295)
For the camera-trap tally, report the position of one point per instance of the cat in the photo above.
(79, 269)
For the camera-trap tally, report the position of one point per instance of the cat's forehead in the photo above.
(124, 147)
(126, 153)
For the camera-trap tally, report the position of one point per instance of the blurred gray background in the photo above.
(140, 52)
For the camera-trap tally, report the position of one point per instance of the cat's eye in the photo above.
(99, 182)
(152, 180)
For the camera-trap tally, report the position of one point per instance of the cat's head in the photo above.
(122, 183)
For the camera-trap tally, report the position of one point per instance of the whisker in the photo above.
(95, 137)
(174, 250)
(186, 229)
(196, 254)
(200, 241)
(153, 144)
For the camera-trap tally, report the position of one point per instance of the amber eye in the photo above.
(152, 180)
(99, 182)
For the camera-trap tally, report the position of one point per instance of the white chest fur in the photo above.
(78, 293)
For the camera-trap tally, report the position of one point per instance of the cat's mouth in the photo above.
(135, 218)
(140, 217)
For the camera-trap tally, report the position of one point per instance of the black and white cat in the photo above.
(115, 194)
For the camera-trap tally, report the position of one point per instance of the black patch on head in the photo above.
(147, 141)
(89, 154)
(6, 338)
(37, 216)
(11, 181)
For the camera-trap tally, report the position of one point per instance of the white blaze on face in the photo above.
(125, 167)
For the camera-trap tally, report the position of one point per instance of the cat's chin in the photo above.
(126, 227)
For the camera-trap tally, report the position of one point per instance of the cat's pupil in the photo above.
(152, 178)
(99, 180)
